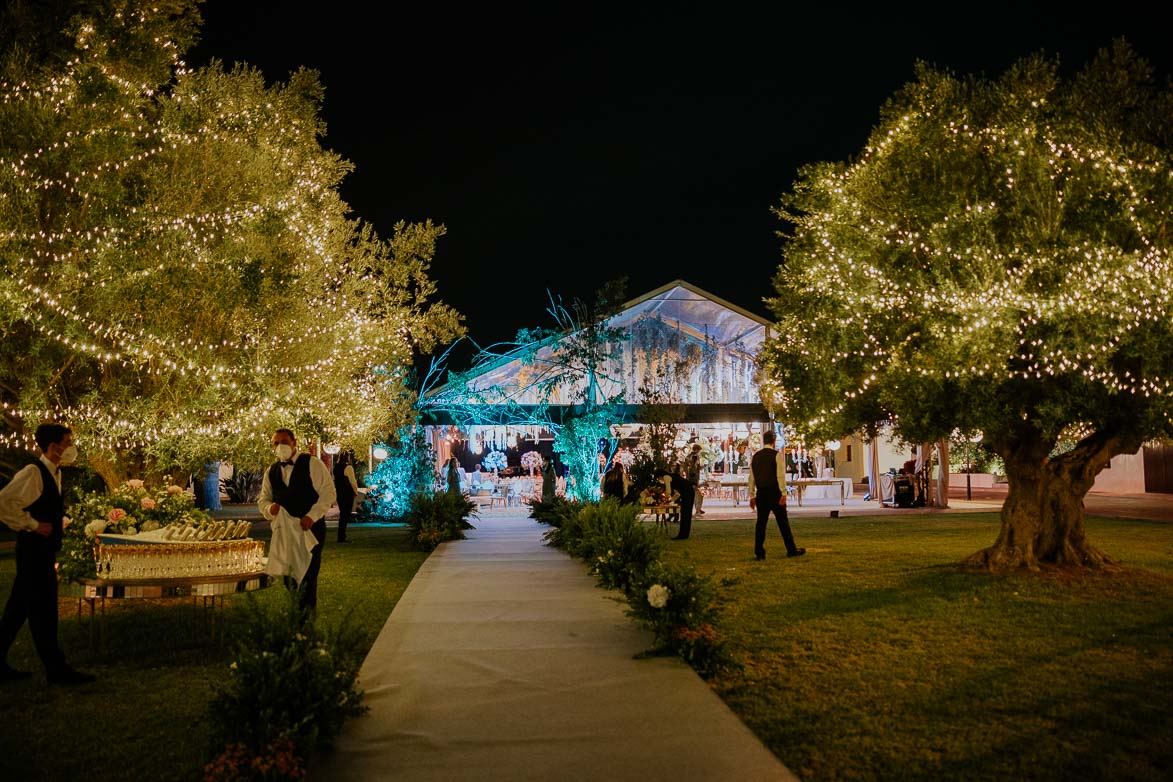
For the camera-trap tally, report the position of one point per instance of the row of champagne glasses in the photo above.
(178, 560)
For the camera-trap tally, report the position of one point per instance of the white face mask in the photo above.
(69, 455)
(284, 452)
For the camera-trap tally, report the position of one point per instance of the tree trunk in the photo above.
(1042, 518)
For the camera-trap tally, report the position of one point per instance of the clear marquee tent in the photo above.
(700, 348)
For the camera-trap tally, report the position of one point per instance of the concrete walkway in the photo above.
(504, 661)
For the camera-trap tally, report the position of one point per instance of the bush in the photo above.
(618, 548)
(437, 517)
(288, 691)
(680, 607)
(243, 487)
(553, 512)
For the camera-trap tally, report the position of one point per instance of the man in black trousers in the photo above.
(767, 492)
(297, 488)
(32, 505)
(687, 492)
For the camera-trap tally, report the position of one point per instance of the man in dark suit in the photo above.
(31, 504)
(767, 493)
(298, 489)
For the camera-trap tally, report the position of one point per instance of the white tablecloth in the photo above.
(827, 492)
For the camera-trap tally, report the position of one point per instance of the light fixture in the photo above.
(831, 445)
(379, 452)
(332, 448)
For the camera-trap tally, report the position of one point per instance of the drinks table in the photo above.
(212, 589)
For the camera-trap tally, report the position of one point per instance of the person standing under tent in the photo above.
(692, 473)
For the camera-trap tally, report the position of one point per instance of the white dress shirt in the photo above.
(24, 489)
(320, 477)
(781, 469)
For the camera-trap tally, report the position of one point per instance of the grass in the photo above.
(143, 719)
(870, 658)
(873, 658)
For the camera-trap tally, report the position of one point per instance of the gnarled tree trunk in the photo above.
(1042, 518)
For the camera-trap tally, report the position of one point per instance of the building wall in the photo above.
(1125, 475)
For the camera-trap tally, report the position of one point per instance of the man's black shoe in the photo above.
(760, 556)
(8, 674)
(678, 537)
(70, 676)
(796, 553)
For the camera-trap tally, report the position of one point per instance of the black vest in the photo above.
(49, 508)
(299, 496)
(764, 465)
(342, 487)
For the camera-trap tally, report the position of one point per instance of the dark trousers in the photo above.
(345, 513)
(34, 597)
(307, 590)
(768, 500)
(686, 500)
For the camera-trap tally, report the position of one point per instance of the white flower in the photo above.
(95, 527)
(65, 522)
(658, 596)
(233, 665)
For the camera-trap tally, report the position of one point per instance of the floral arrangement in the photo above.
(625, 457)
(495, 460)
(128, 510)
(531, 460)
(656, 494)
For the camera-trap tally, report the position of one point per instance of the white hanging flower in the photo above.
(658, 596)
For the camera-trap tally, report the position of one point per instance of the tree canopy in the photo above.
(997, 259)
(181, 275)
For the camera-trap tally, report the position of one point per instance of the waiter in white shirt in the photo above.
(32, 505)
(297, 488)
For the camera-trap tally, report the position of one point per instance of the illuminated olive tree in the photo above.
(996, 260)
(180, 274)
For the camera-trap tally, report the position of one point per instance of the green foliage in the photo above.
(553, 512)
(171, 237)
(407, 471)
(681, 606)
(616, 546)
(995, 260)
(290, 680)
(435, 517)
(244, 486)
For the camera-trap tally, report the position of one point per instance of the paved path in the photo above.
(504, 661)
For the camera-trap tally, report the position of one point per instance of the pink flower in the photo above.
(134, 483)
(118, 514)
(147, 503)
(173, 489)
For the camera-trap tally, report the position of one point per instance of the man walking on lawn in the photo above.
(767, 492)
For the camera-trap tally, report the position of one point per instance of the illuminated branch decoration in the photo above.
(180, 274)
(565, 365)
(997, 259)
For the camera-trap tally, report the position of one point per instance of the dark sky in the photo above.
(566, 144)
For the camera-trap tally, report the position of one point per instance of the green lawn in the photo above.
(873, 658)
(870, 658)
(144, 717)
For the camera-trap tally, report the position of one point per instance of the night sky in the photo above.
(567, 144)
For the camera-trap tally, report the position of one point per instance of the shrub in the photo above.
(437, 517)
(553, 512)
(618, 548)
(290, 682)
(680, 607)
(243, 487)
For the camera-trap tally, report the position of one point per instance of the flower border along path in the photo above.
(504, 661)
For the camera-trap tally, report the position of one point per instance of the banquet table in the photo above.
(663, 515)
(822, 488)
(212, 589)
(738, 482)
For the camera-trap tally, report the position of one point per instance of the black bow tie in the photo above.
(286, 464)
